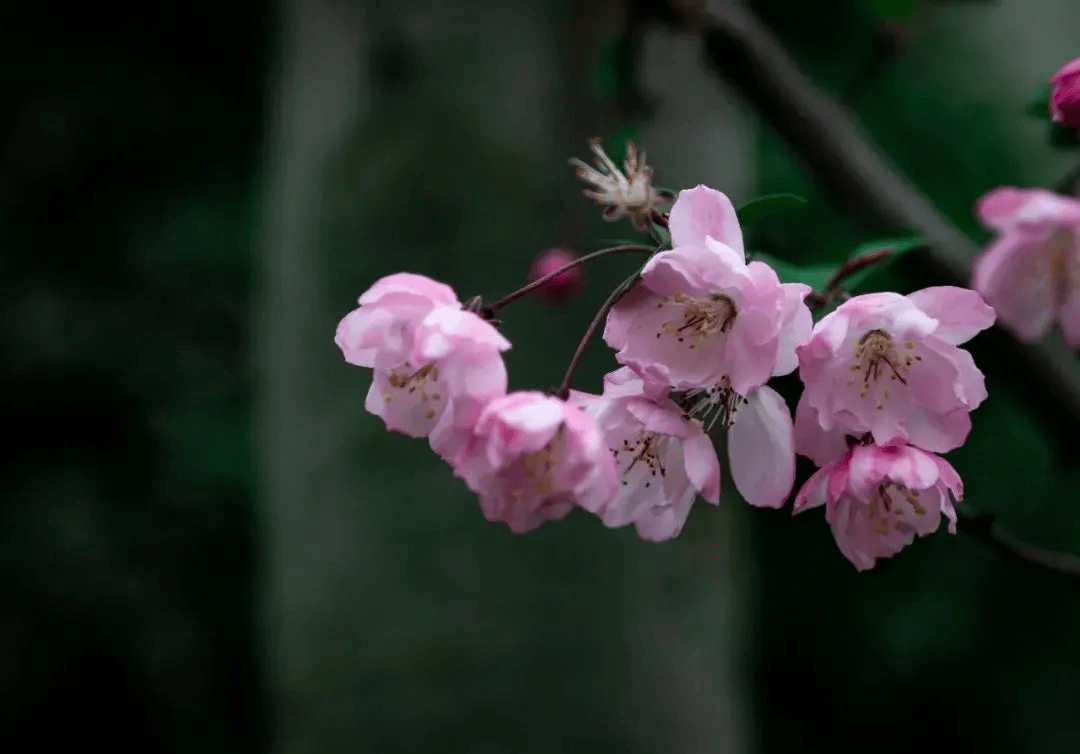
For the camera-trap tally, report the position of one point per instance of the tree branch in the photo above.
(983, 527)
(851, 167)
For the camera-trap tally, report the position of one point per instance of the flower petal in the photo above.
(702, 212)
(761, 449)
(961, 312)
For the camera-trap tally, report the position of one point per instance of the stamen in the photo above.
(702, 318)
(874, 348)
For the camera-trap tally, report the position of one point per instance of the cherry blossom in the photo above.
(877, 498)
(889, 365)
(1030, 274)
(701, 316)
(663, 456)
(435, 365)
(531, 458)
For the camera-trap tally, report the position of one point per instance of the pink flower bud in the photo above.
(1065, 97)
(563, 287)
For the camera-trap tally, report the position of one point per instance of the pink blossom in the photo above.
(435, 365)
(889, 365)
(664, 457)
(531, 458)
(564, 286)
(1064, 104)
(639, 418)
(701, 316)
(1030, 274)
(389, 310)
(877, 498)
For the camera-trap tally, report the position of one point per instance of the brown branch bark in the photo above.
(847, 162)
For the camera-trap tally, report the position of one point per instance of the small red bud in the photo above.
(564, 287)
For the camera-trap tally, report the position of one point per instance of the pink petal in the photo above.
(1069, 311)
(360, 334)
(434, 292)
(960, 312)
(702, 466)
(813, 492)
(851, 529)
(701, 212)
(761, 449)
(819, 445)
(447, 328)
(796, 326)
(998, 208)
(665, 522)
(1015, 277)
(693, 269)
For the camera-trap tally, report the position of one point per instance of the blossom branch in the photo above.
(850, 166)
(816, 299)
(983, 526)
(526, 290)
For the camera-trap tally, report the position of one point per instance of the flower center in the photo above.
(701, 317)
(537, 469)
(887, 508)
(647, 453)
(424, 381)
(719, 401)
(876, 355)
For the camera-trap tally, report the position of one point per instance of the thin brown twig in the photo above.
(527, 289)
(621, 290)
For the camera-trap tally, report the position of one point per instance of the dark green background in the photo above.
(207, 544)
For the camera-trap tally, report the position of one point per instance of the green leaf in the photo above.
(816, 276)
(900, 247)
(765, 206)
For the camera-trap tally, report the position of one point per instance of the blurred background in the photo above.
(207, 545)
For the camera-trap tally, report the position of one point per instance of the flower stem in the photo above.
(527, 289)
(621, 290)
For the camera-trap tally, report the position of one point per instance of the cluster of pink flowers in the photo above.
(698, 339)
(886, 389)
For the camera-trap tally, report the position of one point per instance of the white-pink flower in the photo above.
(663, 457)
(1030, 274)
(877, 498)
(531, 458)
(889, 365)
(435, 365)
(701, 316)
(760, 445)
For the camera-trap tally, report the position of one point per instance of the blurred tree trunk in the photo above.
(394, 616)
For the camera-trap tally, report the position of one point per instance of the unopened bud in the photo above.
(563, 287)
(1065, 98)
